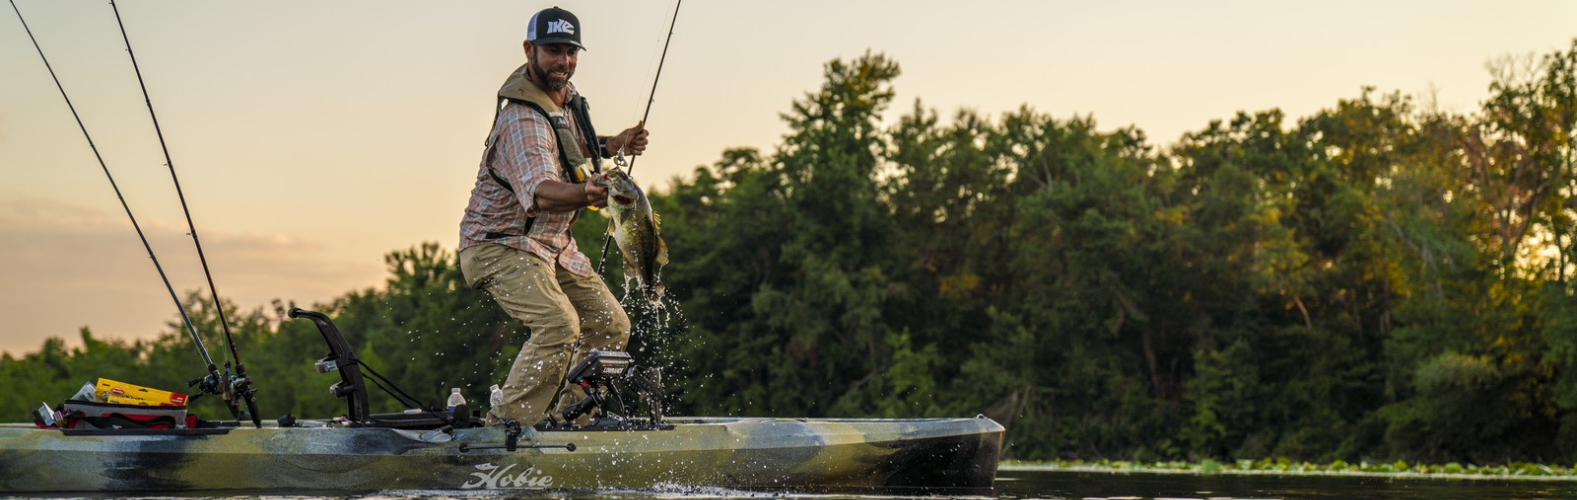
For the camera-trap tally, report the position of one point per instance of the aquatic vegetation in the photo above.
(1209, 466)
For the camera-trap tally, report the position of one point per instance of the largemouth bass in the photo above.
(635, 228)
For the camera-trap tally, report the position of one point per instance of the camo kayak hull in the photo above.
(739, 453)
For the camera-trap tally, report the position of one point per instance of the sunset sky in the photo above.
(312, 137)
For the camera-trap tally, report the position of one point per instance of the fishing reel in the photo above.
(241, 388)
(233, 389)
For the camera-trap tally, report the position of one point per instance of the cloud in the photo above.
(66, 266)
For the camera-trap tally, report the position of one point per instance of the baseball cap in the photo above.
(552, 26)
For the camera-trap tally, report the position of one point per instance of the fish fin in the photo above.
(657, 222)
(662, 252)
(610, 225)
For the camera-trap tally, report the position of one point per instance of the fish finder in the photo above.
(600, 367)
(605, 374)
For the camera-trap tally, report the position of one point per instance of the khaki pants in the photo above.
(569, 316)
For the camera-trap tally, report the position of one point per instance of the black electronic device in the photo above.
(603, 375)
(600, 367)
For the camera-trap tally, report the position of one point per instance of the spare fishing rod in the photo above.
(649, 100)
(227, 387)
(212, 370)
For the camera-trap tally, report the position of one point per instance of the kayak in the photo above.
(134, 449)
(897, 455)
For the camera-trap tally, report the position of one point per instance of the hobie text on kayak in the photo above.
(493, 477)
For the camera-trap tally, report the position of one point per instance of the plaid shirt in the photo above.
(523, 151)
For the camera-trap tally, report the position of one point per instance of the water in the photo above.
(1040, 484)
(1027, 484)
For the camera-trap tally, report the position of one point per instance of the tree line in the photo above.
(1380, 280)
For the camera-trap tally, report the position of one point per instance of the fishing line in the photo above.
(651, 62)
(653, 96)
(184, 318)
(602, 261)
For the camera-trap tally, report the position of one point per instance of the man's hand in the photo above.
(632, 140)
(596, 194)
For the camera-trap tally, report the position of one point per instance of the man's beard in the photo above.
(547, 81)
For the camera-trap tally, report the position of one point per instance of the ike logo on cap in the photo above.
(560, 26)
(552, 26)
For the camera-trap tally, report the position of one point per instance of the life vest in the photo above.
(572, 162)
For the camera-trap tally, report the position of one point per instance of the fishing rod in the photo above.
(213, 371)
(227, 387)
(649, 100)
(652, 97)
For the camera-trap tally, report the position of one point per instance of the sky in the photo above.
(311, 138)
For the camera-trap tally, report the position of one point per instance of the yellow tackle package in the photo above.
(111, 391)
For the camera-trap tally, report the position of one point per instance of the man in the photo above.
(515, 238)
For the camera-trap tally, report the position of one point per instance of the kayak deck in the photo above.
(741, 453)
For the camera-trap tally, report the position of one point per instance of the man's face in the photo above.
(554, 64)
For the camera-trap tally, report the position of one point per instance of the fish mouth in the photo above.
(623, 200)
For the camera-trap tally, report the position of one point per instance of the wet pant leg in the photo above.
(603, 323)
(528, 289)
